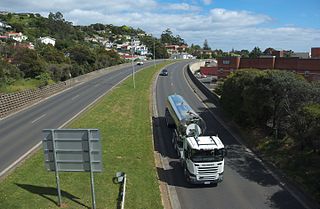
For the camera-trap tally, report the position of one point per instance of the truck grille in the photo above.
(208, 172)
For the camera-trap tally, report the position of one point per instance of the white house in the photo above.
(19, 37)
(4, 25)
(141, 49)
(47, 40)
(181, 56)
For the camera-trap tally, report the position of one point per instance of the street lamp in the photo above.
(154, 53)
(134, 83)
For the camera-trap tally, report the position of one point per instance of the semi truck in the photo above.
(201, 157)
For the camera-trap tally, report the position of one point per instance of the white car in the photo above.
(140, 63)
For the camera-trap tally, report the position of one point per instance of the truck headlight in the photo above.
(220, 176)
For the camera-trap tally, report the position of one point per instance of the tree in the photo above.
(82, 55)
(51, 55)
(194, 50)
(266, 98)
(159, 49)
(60, 72)
(97, 26)
(166, 36)
(58, 16)
(8, 73)
(268, 51)
(255, 53)
(244, 53)
(206, 45)
(29, 62)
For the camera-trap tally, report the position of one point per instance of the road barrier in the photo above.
(207, 92)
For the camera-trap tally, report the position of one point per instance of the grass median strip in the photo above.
(123, 118)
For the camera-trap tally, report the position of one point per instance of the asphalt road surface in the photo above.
(247, 183)
(22, 131)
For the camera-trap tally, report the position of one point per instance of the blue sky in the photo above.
(226, 24)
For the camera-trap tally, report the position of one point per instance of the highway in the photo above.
(247, 183)
(23, 131)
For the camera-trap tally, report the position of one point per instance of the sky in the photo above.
(226, 24)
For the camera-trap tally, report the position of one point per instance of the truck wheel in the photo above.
(186, 174)
(178, 152)
(172, 138)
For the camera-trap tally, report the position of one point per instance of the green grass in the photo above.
(300, 166)
(21, 85)
(123, 118)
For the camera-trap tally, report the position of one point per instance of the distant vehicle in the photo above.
(139, 63)
(164, 72)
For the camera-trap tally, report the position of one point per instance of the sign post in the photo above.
(72, 150)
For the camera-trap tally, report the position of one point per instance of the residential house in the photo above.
(141, 49)
(172, 49)
(47, 40)
(5, 26)
(19, 37)
(181, 56)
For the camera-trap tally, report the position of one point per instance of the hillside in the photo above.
(72, 51)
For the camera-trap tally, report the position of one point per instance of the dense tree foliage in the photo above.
(9, 73)
(29, 62)
(255, 53)
(206, 45)
(277, 100)
(155, 46)
(167, 37)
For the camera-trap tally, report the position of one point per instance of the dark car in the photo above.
(164, 72)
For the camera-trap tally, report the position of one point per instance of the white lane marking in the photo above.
(35, 120)
(73, 98)
(2, 173)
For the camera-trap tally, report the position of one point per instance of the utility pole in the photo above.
(154, 53)
(134, 83)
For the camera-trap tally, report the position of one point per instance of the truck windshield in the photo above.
(207, 155)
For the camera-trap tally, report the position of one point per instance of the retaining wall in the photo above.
(13, 102)
(208, 93)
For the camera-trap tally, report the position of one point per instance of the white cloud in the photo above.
(183, 7)
(207, 2)
(237, 18)
(223, 28)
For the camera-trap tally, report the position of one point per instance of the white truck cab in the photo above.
(203, 159)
